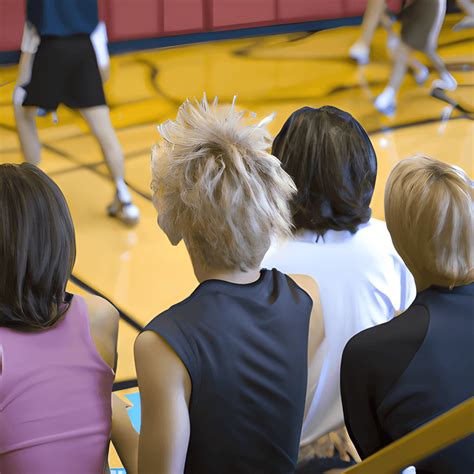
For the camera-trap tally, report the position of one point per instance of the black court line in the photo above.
(92, 167)
(124, 384)
(390, 128)
(124, 316)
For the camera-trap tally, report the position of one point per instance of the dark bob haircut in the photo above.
(37, 248)
(333, 164)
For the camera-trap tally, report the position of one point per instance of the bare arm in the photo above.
(316, 324)
(165, 390)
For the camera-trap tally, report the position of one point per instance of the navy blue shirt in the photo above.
(246, 350)
(63, 17)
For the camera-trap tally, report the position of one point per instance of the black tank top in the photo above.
(399, 375)
(245, 347)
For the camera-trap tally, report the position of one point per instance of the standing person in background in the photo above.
(374, 15)
(62, 49)
(377, 13)
(421, 24)
(362, 279)
(400, 375)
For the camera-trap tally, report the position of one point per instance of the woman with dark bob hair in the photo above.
(57, 350)
(362, 279)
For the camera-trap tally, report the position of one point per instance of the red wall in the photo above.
(132, 19)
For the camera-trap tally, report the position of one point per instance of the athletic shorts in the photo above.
(421, 24)
(65, 71)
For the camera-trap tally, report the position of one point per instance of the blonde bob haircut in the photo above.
(216, 185)
(429, 213)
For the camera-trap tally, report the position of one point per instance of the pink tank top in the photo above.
(55, 398)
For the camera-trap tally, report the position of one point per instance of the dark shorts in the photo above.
(65, 71)
(421, 24)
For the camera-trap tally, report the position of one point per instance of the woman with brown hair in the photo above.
(57, 350)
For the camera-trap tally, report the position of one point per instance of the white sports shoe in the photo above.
(421, 75)
(385, 103)
(447, 83)
(466, 22)
(127, 212)
(359, 53)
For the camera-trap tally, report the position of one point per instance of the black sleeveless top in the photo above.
(398, 376)
(245, 348)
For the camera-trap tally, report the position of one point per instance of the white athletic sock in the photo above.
(122, 191)
(360, 53)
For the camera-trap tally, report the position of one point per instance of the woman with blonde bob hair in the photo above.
(222, 374)
(401, 374)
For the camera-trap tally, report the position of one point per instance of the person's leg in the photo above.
(446, 81)
(386, 101)
(98, 119)
(359, 51)
(419, 70)
(467, 6)
(25, 117)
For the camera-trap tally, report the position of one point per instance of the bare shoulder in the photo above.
(102, 314)
(148, 343)
(308, 284)
(104, 325)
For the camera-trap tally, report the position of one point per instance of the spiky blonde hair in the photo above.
(216, 185)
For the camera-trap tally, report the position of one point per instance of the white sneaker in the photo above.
(127, 212)
(421, 75)
(359, 53)
(447, 83)
(466, 22)
(385, 103)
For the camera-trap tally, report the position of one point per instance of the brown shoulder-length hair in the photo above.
(332, 161)
(37, 248)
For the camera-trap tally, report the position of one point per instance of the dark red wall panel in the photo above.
(134, 19)
(12, 19)
(131, 19)
(354, 7)
(183, 15)
(357, 7)
(307, 10)
(241, 12)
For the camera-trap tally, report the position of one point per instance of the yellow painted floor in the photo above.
(137, 269)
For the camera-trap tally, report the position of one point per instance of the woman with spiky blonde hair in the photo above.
(401, 374)
(222, 374)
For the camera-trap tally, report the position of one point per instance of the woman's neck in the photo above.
(233, 276)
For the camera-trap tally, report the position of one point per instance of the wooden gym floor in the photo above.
(137, 269)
